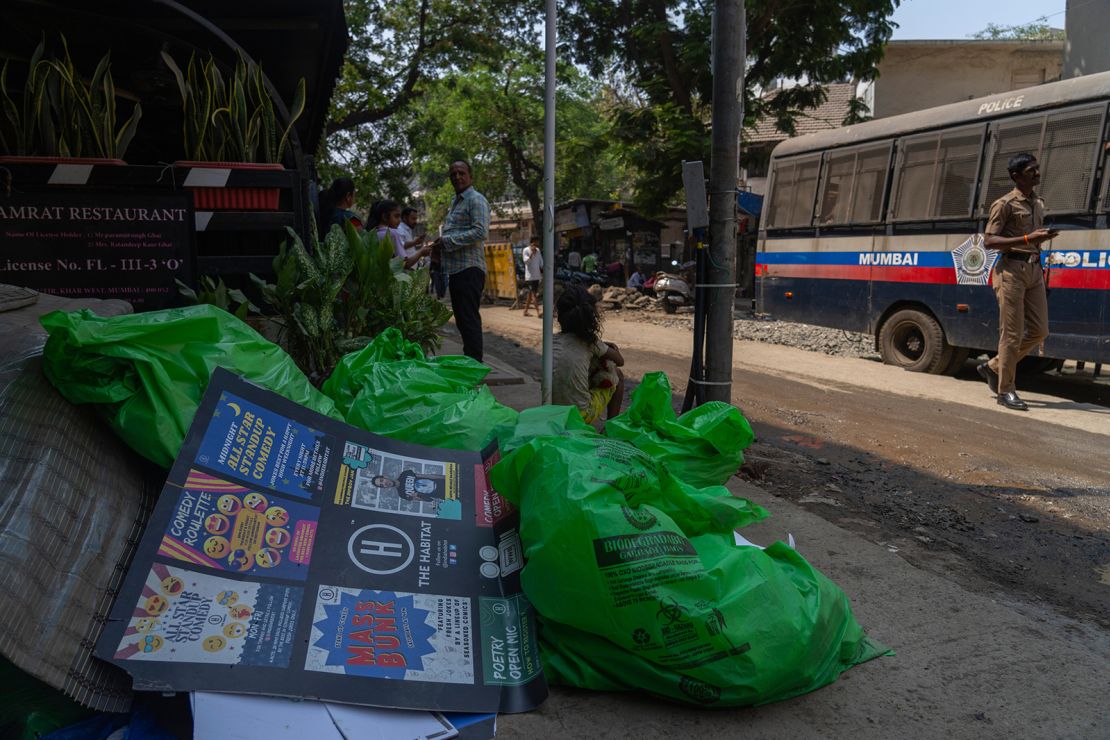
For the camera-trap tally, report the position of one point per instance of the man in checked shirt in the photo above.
(461, 252)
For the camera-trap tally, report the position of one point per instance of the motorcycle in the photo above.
(675, 289)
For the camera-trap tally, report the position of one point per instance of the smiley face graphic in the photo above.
(151, 643)
(235, 629)
(242, 612)
(240, 560)
(226, 598)
(229, 504)
(213, 643)
(217, 523)
(156, 605)
(278, 537)
(172, 585)
(145, 624)
(216, 547)
(267, 557)
(255, 501)
(277, 516)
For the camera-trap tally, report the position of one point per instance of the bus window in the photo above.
(935, 176)
(792, 192)
(852, 186)
(1066, 143)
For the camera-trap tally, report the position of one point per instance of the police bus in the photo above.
(877, 227)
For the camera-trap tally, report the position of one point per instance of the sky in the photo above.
(958, 19)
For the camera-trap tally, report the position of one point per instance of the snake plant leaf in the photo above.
(127, 133)
(294, 113)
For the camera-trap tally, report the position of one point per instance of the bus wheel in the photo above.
(914, 340)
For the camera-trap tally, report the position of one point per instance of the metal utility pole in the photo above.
(548, 199)
(729, 32)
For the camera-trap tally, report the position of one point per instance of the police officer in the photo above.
(1016, 229)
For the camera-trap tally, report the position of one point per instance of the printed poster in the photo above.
(326, 562)
(192, 617)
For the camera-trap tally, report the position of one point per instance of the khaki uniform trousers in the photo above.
(1022, 315)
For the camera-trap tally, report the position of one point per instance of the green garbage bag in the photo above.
(147, 372)
(350, 374)
(640, 585)
(704, 446)
(542, 421)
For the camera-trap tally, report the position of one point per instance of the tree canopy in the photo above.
(1038, 30)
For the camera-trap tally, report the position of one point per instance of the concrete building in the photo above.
(922, 74)
(1087, 50)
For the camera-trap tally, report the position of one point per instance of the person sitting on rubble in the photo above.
(586, 373)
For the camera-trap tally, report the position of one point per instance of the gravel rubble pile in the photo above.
(834, 342)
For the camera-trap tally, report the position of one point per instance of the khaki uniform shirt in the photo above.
(1015, 215)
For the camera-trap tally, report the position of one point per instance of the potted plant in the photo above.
(229, 123)
(62, 116)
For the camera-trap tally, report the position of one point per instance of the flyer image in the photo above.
(383, 481)
(395, 635)
(184, 616)
(227, 526)
(262, 448)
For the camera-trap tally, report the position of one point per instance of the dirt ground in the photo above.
(927, 466)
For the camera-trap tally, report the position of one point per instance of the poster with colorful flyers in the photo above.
(259, 555)
(227, 526)
(183, 616)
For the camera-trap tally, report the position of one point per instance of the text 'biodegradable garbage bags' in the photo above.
(147, 371)
(703, 447)
(389, 388)
(640, 584)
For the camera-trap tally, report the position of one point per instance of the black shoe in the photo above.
(1012, 400)
(988, 375)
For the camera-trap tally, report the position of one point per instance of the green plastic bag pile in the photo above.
(628, 537)
(146, 372)
(640, 585)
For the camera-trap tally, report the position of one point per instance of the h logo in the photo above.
(380, 549)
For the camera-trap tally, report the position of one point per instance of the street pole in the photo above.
(548, 199)
(729, 31)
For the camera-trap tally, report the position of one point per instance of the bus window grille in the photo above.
(870, 184)
(1010, 139)
(1068, 158)
(958, 157)
(836, 189)
(804, 192)
(915, 178)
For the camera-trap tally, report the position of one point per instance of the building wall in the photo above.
(922, 74)
(1087, 50)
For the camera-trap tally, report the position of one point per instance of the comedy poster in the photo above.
(325, 562)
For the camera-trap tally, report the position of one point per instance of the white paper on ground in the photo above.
(743, 541)
(246, 717)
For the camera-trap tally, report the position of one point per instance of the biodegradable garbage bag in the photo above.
(458, 373)
(703, 447)
(640, 585)
(147, 372)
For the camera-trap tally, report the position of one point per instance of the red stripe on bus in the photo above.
(828, 272)
(1086, 279)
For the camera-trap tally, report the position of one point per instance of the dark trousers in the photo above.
(466, 296)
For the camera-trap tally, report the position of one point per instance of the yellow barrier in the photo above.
(500, 272)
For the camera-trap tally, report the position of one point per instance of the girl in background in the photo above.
(336, 203)
(586, 373)
(386, 216)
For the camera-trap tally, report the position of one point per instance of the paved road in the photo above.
(927, 466)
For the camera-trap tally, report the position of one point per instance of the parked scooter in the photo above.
(675, 289)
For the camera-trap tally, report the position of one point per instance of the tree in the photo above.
(398, 49)
(1038, 30)
(661, 50)
(493, 118)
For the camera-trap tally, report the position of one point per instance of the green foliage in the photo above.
(659, 50)
(1038, 30)
(231, 119)
(61, 113)
(336, 297)
(214, 292)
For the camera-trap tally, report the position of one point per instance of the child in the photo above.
(585, 368)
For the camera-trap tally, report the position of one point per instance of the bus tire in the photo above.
(913, 340)
(959, 359)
